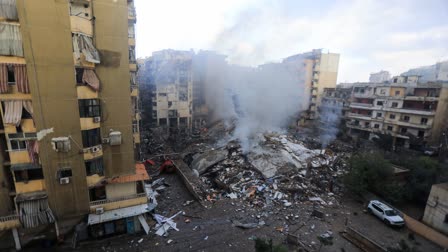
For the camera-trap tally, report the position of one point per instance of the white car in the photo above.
(385, 213)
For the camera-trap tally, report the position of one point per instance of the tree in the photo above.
(371, 172)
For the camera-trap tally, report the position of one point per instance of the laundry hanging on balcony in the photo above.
(8, 9)
(3, 78)
(10, 40)
(83, 44)
(21, 78)
(13, 112)
(89, 77)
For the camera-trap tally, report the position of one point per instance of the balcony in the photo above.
(421, 98)
(132, 15)
(9, 222)
(360, 116)
(131, 41)
(364, 95)
(122, 202)
(411, 111)
(361, 105)
(136, 136)
(132, 67)
(30, 186)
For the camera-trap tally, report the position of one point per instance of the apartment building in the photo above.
(172, 85)
(68, 130)
(336, 100)
(413, 113)
(320, 71)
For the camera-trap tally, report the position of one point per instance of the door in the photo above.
(130, 225)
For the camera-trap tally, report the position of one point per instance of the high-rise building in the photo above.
(172, 86)
(320, 70)
(69, 118)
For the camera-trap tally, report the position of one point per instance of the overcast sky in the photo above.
(370, 35)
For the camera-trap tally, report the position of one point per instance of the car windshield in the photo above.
(390, 212)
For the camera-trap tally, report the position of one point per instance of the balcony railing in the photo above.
(362, 104)
(9, 218)
(131, 12)
(101, 202)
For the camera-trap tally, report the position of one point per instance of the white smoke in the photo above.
(256, 100)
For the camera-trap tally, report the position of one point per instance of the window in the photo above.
(421, 133)
(11, 77)
(183, 121)
(397, 93)
(162, 121)
(366, 124)
(162, 94)
(382, 91)
(394, 104)
(379, 114)
(406, 118)
(18, 145)
(379, 103)
(170, 103)
(403, 130)
(154, 104)
(91, 137)
(94, 166)
(392, 116)
(78, 75)
(377, 126)
(424, 121)
(27, 175)
(446, 218)
(89, 107)
(97, 193)
(64, 173)
(390, 128)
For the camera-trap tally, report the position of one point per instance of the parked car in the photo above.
(385, 213)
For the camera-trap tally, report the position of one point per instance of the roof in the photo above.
(140, 174)
(381, 205)
(117, 214)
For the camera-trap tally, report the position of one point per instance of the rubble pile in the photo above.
(279, 170)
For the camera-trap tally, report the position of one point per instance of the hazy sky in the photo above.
(370, 35)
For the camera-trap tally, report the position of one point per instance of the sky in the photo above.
(370, 35)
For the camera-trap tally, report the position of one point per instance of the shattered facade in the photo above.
(321, 71)
(413, 113)
(67, 126)
(171, 77)
(436, 211)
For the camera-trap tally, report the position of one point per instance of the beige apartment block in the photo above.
(413, 113)
(67, 125)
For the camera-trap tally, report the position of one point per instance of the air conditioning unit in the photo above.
(61, 144)
(106, 140)
(99, 210)
(64, 181)
(97, 119)
(115, 138)
(95, 149)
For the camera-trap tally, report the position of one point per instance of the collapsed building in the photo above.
(58, 167)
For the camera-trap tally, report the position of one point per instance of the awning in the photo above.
(140, 174)
(13, 112)
(25, 166)
(10, 40)
(117, 214)
(89, 77)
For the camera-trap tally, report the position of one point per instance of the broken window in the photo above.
(94, 166)
(403, 130)
(97, 193)
(10, 40)
(162, 122)
(424, 121)
(27, 174)
(172, 113)
(64, 173)
(89, 108)
(91, 137)
(390, 128)
(83, 44)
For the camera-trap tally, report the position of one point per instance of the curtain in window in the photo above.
(33, 151)
(13, 112)
(3, 78)
(33, 213)
(8, 9)
(83, 44)
(21, 78)
(89, 77)
(28, 106)
(10, 40)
